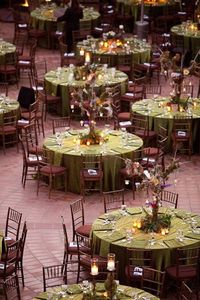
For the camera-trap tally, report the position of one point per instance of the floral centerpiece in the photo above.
(153, 181)
(92, 105)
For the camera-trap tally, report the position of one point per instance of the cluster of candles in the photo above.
(164, 231)
(110, 264)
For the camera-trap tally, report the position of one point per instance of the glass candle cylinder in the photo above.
(111, 262)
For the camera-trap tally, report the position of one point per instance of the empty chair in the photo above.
(137, 260)
(54, 275)
(60, 123)
(11, 289)
(113, 200)
(91, 174)
(182, 134)
(186, 266)
(27, 62)
(8, 129)
(70, 248)
(153, 281)
(21, 251)
(124, 64)
(47, 168)
(78, 219)
(121, 118)
(30, 162)
(135, 92)
(154, 90)
(4, 88)
(13, 222)
(185, 292)
(9, 68)
(139, 74)
(169, 198)
(66, 58)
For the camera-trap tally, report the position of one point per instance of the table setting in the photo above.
(112, 45)
(78, 292)
(7, 104)
(112, 146)
(65, 79)
(190, 33)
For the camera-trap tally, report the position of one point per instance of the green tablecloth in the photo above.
(7, 105)
(6, 48)
(106, 241)
(61, 84)
(45, 18)
(158, 115)
(112, 163)
(75, 292)
(140, 50)
(190, 35)
(151, 8)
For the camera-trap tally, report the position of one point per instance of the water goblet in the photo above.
(129, 236)
(179, 235)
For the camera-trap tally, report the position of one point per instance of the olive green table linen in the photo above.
(59, 82)
(75, 292)
(140, 50)
(151, 8)
(190, 35)
(69, 156)
(45, 16)
(6, 105)
(105, 241)
(158, 114)
(6, 49)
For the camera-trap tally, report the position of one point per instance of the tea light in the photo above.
(100, 143)
(163, 231)
(87, 57)
(101, 114)
(101, 44)
(106, 44)
(88, 143)
(111, 262)
(81, 123)
(166, 230)
(194, 104)
(126, 182)
(94, 267)
(168, 108)
(84, 78)
(72, 107)
(181, 109)
(139, 224)
(135, 223)
(82, 52)
(100, 77)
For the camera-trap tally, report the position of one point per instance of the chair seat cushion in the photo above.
(84, 230)
(185, 272)
(124, 116)
(134, 273)
(55, 170)
(96, 175)
(8, 129)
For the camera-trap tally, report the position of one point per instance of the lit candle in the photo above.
(181, 109)
(94, 267)
(111, 262)
(168, 108)
(88, 143)
(126, 181)
(87, 57)
(163, 231)
(81, 123)
(84, 77)
(72, 107)
(139, 224)
(82, 52)
(100, 77)
(135, 223)
(106, 44)
(166, 230)
(194, 104)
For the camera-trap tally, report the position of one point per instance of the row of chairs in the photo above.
(12, 255)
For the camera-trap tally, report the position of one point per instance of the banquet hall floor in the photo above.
(44, 245)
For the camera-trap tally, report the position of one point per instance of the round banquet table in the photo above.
(190, 35)
(151, 8)
(158, 114)
(75, 291)
(140, 50)
(45, 16)
(6, 105)
(106, 240)
(71, 158)
(60, 82)
(6, 49)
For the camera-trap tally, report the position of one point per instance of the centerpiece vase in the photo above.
(110, 285)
